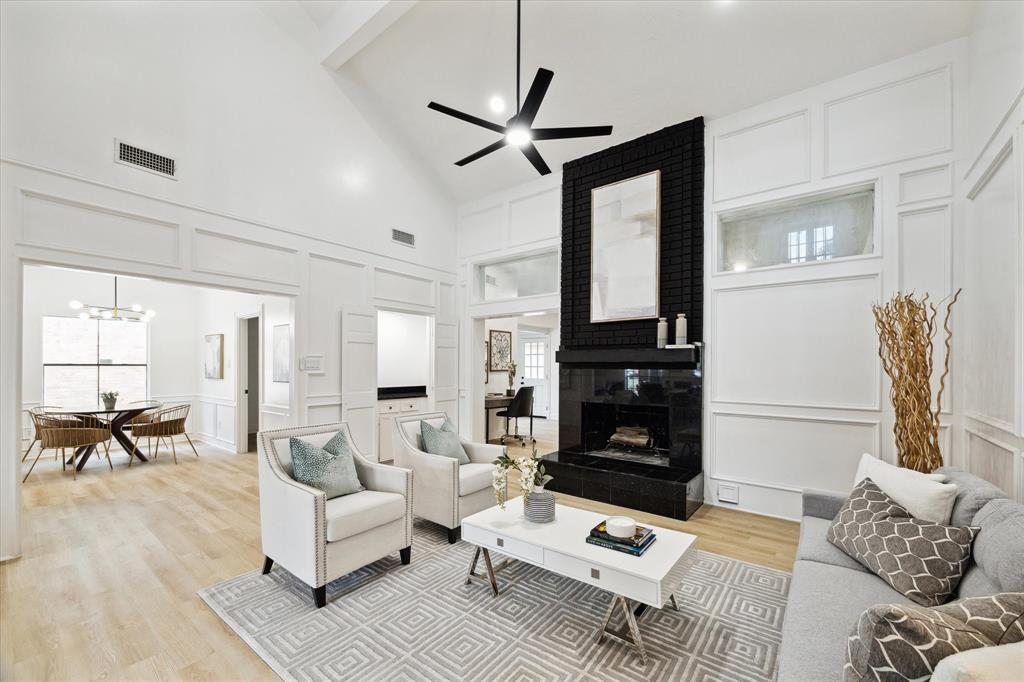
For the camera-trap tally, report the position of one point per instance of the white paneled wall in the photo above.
(265, 201)
(991, 246)
(520, 221)
(796, 388)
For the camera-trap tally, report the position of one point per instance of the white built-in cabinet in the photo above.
(387, 410)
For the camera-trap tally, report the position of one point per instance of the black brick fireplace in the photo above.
(630, 415)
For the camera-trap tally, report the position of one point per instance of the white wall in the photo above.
(520, 221)
(218, 312)
(990, 350)
(285, 188)
(795, 392)
(403, 349)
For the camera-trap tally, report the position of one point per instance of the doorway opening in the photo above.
(122, 351)
(529, 341)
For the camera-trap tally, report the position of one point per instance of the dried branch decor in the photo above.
(906, 328)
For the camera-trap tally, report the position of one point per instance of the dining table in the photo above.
(118, 417)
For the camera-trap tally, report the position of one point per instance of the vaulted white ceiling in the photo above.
(638, 66)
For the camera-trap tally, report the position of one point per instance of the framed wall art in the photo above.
(501, 350)
(213, 356)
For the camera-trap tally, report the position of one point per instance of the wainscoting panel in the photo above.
(765, 156)
(903, 120)
(791, 453)
(400, 288)
(797, 344)
(534, 217)
(484, 230)
(220, 254)
(98, 230)
(989, 310)
(333, 284)
(992, 460)
(925, 250)
(446, 367)
(928, 183)
(446, 304)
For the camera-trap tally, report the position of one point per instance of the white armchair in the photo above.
(443, 491)
(316, 539)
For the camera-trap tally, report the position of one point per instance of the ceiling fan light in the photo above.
(83, 315)
(518, 136)
(75, 305)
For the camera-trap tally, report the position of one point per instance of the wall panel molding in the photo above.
(935, 182)
(719, 394)
(216, 253)
(852, 120)
(788, 135)
(399, 287)
(110, 232)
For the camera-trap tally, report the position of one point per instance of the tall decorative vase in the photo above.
(540, 506)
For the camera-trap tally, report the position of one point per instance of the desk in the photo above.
(493, 402)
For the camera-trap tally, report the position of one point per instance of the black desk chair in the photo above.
(521, 406)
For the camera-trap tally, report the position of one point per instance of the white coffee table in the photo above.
(561, 547)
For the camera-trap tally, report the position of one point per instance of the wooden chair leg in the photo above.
(174, 451)
(106, 447)
(25, 456)
(190, 443)
(156, 452)
(63, 458)
(40, 454)
(74, 462)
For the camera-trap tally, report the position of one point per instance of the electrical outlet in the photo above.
(729, 492)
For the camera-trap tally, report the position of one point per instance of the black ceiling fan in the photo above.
(518, 130)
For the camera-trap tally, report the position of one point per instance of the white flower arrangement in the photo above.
(531, 475)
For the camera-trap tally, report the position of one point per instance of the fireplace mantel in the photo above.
(630, 358)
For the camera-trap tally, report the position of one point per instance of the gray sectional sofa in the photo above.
(829, 589)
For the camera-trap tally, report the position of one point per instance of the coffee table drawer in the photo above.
(505, 545)
(627, 585)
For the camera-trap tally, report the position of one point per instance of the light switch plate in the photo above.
(729, 492)
(314, 364)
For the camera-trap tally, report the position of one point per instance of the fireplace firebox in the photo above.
(630, 435)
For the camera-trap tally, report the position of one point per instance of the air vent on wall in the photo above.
(404, 238)
(130, 155)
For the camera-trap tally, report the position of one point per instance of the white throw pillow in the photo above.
(925, 496)
(987, 664)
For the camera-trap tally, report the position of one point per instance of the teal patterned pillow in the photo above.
(331, 468)
(443, 441)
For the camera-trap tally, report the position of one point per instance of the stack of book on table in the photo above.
(636, 545)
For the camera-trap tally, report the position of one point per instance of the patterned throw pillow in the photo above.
(443, 441)
(906, 642)
(921, 560)
(331, 468)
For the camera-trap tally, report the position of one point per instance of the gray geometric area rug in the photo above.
(388, 622)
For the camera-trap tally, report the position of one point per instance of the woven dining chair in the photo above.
(165, 423)
(43, 409)
(55, 432)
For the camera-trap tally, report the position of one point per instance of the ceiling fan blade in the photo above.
(468, 118)
(531, 105)
(533, 155)
(483, 152)
(565, 133)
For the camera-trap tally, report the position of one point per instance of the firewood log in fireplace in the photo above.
(632, 436)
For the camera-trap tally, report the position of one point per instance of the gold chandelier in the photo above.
(134, 313)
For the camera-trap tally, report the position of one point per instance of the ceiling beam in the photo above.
(355, 25)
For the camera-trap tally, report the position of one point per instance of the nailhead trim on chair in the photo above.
(456, 520)
(319, 500)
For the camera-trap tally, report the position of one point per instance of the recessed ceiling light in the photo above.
(497, 104)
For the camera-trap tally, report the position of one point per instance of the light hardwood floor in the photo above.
(106, 586)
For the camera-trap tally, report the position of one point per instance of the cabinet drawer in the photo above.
(385, 408)
(627, 585)
(499, 543)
